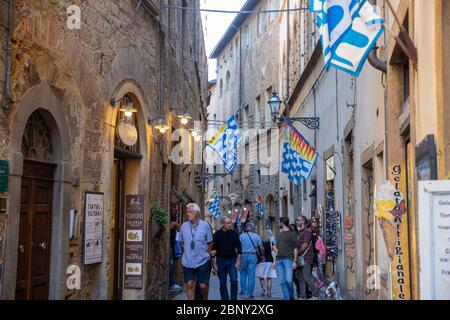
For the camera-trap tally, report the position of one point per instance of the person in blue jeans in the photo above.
(250, 241)
(286, 258)
(227, 251)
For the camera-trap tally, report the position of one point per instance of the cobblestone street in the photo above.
(214, 292)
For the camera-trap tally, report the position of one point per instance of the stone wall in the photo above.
(117, 46)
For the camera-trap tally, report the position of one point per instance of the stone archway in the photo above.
(135, 163)
(43, 100)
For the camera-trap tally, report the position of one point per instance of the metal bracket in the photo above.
(312, 123)
(208, 177)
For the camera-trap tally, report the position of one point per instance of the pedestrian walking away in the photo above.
(306, 256)
(286, 256)
(226, 260)
(266, 271)
(250, 242)
(196, 236)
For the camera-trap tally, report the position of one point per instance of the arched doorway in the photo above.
(36, 203)
(125, 181)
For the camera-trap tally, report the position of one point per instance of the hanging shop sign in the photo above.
(4, 175)
(134, 244)
(391, 210)
(93, 228)
(434, 239)
(127, 133)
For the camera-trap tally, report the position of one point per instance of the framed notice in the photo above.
(93, 228)
(434, 239)
(134, 242)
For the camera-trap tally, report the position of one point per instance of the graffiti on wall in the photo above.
(391, 211)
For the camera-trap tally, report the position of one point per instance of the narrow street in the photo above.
(214, 292)
(141, 137)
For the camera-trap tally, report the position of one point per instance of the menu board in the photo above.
(93, 228)
(434, 239)
(134, 242)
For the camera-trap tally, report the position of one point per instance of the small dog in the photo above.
(333, 291)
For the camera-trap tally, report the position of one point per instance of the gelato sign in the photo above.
(391, 211)
(434, 239)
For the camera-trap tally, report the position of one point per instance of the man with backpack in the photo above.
(250, 242)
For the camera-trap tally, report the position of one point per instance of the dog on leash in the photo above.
(333, 291)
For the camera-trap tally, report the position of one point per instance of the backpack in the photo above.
(320, 246)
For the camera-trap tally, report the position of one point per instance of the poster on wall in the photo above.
(434, 239)
(134, 242)
(93, 228)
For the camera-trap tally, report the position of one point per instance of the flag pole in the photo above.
(400, 42)
(407, 45)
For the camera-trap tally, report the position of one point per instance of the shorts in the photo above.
(200, 274)
(265, 270)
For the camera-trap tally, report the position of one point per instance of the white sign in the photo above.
(93, 228)
(434, 239)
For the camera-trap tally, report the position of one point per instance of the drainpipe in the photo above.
(288, 53)
(8, 97)
(376, 62)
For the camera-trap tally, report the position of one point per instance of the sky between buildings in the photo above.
(215, 25)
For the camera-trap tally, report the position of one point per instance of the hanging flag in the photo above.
(260, 206)
(348, 31)
(225, 141)
(214, 206)
(299, 156)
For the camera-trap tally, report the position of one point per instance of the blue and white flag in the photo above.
(299, 157)
(214, 206)
(348, 31)
(225, 141)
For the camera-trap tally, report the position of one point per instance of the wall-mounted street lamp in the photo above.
(184, 118)
(160, 125)
(275, 105)
(126, 107)
(126, 127)
(194, 133)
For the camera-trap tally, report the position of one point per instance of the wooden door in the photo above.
(117, 228)
(33, 263)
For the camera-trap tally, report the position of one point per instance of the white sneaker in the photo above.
(175, 287)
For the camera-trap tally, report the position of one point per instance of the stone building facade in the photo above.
(247, 73)
(374, 130)
(60, 138)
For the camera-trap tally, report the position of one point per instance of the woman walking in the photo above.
(266, 270)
